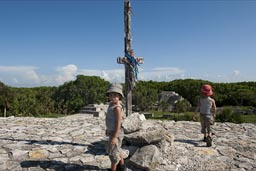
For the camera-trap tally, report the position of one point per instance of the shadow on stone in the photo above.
(44, 142)
(57, 165)
(196, 143)
(97, 148)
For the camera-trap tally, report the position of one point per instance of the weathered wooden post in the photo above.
(130, 62)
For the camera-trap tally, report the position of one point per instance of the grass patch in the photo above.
(51, 115)
(188, 116)
(249, 118)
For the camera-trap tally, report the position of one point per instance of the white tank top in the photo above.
(111, 118)
(206, 105)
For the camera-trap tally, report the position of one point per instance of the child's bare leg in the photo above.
(209, 131)
(121, 161)
(121, 165)
(113, 166)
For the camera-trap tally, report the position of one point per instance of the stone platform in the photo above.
(76, 143)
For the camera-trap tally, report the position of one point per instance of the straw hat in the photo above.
(115, 88)
(206, 89)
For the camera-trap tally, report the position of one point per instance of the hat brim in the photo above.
(115, 88)
(209, 93)
(107, 93)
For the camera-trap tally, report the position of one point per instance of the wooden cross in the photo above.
(129, 60)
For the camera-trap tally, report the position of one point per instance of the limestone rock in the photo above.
(38, 154)
(145, 137)
(133, 123)
(147, 158)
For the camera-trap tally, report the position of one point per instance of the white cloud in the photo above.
(232, 76)
(115, 75)
(30, 76)
(65, 73)
(173, 70)
(236, 72)
(27, 76)
(23, 75)
(162, 74)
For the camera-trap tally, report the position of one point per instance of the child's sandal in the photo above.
(121, 167)
(209, 141)
(204, 140)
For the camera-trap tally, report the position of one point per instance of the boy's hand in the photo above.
(106, 133)
(114, 141)
(194, 118)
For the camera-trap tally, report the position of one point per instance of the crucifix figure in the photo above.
(129, 60)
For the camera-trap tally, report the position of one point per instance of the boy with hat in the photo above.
(113, 120)
(206, 104)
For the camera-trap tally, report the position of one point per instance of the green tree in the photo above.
(145, 95)
(164, 105)
(182, 106)
(6, 96)
(73, 95)
(25, 103)
(44, 100)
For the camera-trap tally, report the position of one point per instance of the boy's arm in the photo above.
(118, 112)
(214, 108)
(196, 110)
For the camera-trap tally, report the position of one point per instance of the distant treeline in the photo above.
(71, 96)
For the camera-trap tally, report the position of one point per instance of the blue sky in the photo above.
(49, 42)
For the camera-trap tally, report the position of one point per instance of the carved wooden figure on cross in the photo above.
(131, 68)
(123, 60)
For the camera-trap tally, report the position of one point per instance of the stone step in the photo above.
(88, 111)
(94, 109)
(94, 113)
(91, 108)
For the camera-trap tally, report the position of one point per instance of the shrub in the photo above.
(182, 106)
(228, 116)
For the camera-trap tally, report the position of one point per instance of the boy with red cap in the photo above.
(206, 104)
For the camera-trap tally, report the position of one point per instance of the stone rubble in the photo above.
(76, 143)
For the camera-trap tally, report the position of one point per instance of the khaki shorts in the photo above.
(115, 151)
(206, 122)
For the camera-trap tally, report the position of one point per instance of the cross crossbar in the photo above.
(124, 60)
